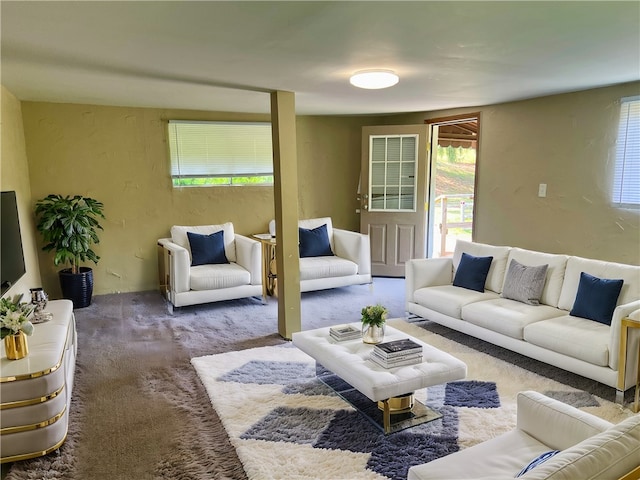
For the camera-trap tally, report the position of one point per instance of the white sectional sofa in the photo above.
(590, 448)
(547, 331)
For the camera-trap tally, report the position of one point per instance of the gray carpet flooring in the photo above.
(139, 410)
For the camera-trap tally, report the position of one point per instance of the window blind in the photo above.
(626, 180)
(220, 149)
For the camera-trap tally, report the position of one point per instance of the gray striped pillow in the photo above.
(524, 283)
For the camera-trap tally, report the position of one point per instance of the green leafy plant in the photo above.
(69, 226)
(374, 315)
(14, 316)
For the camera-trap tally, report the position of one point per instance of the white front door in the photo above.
(393, 195)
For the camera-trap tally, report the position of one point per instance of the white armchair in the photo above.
(350, 263)
(185, 284)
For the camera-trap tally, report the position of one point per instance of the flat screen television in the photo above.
(12, 259)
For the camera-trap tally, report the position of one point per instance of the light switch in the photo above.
(542, 190)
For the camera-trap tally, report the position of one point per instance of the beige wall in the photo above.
(568, 142)
(329, 169)
(119, 156)
(14, 175)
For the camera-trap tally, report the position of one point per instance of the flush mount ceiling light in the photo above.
(374, 79)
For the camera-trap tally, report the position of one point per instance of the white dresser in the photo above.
(35, 391)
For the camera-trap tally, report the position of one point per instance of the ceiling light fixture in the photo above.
(374, 79)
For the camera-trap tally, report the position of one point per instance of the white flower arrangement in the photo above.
(14, 316)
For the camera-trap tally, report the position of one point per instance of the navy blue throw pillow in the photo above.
(596, 298)
(540, 459)
(314, 242)
(472, 272)
(207, 249)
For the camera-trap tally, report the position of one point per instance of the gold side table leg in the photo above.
(625, 325)
(265, 273)
(636, 400)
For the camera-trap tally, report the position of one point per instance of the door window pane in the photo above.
(392, 173)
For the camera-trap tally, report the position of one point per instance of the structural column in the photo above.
(285, 169)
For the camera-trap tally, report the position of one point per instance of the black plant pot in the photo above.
(77, 287)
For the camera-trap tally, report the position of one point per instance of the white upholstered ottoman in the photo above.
(350, 361)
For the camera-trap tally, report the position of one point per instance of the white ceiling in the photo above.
(227, 56)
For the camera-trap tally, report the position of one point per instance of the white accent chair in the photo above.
(183, 284)
(350, 264)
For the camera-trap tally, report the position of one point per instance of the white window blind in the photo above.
(626, 180)
(220, 149)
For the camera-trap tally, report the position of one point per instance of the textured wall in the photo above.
(14, 175)
(119, 156)
(568, 142)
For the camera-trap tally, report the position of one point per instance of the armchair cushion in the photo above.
(326, 267)
(214, 277)
(207, 249)
(179, 236)
(314, 242)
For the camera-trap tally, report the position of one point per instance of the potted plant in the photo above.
(373, 321)
(14, 325)
(69, 226)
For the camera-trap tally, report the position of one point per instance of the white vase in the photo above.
(372, 333)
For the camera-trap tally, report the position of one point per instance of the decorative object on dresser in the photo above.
(39, 299)
(36, 392)
(373, 322)
(69, 226)
(15, 326)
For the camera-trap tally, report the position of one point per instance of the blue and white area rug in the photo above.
(286, 424)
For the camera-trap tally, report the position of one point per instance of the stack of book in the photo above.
(340, 333)
(397, 353)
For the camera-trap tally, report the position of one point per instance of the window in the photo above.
(220, 153)
(392, 172)
(626, 180)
